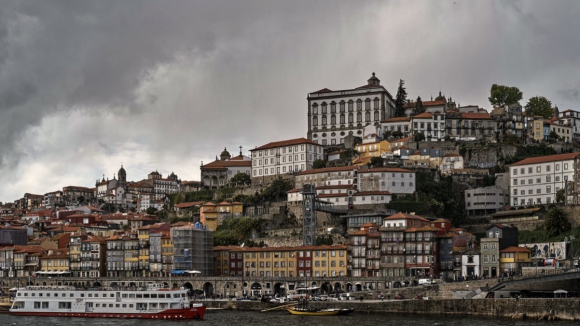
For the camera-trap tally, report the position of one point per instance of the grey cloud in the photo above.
(164, 84)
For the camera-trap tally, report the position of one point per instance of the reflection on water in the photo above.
(233, 318)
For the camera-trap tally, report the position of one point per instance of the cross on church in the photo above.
(240, 150)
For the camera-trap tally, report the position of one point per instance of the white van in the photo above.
(425, 281)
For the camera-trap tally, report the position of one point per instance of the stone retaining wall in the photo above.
(565, 309)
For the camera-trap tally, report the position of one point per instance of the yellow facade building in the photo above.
(512, 259)
(54, 262)
(371, 149)
(208, 216)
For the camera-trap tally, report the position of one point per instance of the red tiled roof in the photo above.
(402, 139)
(476, 116)
(324, 90)
(405, 216)
(296, 141)
(515, 249)
(189, 204)
(424, 115)
(549, 158)
(225, 164)
(397, 119)
(344, 194)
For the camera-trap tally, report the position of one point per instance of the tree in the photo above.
(318, 164)
(539, 105)
(556, 222)
(554, 135)
(151, 210)
(419, 137)
(419, 108)
(241, 179)
(400, 100)
(501, 95)
(397, 134)
(387, 134)
(376, 161)
(560, 196)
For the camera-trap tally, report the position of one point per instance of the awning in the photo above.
(178, 272)
(193, 272)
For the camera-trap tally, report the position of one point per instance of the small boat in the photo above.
(5, 304)
(304, 310)
(313, 312)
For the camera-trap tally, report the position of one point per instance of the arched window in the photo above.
(358, 117)
(376, 115)
(367, 116)
(359, 105)
(315, 108)
(315, 121)
(332, 107)
(323, 120)
(323, 108)
(350, 118)
(367, 104)
(342, 118)
(341, 106)
(332, 119)
(350, 103)
(376, 103)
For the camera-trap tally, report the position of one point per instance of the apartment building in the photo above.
(485, 200)
(536, 180)
(283, 157)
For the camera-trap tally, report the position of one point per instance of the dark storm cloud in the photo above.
(86, 85)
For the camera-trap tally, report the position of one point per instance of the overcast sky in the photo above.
(86, 86)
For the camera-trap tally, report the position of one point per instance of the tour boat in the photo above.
(152, 302)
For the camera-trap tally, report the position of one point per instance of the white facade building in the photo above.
(536, 180)
(432, 125)
(572, 119)
(283, 157)
(332, 115)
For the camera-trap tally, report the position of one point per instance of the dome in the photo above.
(122, 170)
(440, 97)
(225, 152)
(374, 80)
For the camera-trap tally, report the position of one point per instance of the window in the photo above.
(538, 169)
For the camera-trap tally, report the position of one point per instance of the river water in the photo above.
(234, 318)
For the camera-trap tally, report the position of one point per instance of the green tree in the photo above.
(557, 222)
(151, 210)
(318, 164)
(539, 105)
(376, 161)
(387, 134)
(278, 189)
(560, 196)
(241, 179)
(400, 100)
(554, 135)
(397, 134)
(419, 108)
(419, 137)
(501, 95)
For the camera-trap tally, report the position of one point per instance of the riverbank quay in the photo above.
(537, 308)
